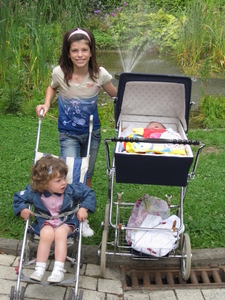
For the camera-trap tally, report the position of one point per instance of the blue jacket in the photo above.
(75, 193)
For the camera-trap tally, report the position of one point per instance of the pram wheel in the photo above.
(103, 252)
(186, 257)
(12, 292)
(106, 221)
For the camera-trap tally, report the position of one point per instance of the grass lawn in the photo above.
(204, 213)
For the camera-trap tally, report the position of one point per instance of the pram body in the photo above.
(143, 98)
(77, 172)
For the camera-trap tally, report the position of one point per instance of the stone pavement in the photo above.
(94, 287)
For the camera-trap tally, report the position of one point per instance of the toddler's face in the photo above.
(57, 185)
(155, 125)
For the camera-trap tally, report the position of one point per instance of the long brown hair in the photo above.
(66, 63)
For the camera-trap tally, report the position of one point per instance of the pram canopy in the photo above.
(157, 95)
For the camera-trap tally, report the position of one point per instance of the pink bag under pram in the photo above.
(152, 212)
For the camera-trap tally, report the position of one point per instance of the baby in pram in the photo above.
(153, 130)
(50, 195)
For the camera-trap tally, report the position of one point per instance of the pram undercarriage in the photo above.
(135, 168)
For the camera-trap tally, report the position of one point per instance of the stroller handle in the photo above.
(42, 113)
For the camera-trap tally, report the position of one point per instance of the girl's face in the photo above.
(80, 53)
(57, 185)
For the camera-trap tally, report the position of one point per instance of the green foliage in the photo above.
(211, 112)
(31, 37)
(202, 37)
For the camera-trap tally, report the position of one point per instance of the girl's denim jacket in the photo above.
(75, 193)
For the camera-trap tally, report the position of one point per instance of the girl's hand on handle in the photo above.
(26, 213)
(40, 107)
(82, 214)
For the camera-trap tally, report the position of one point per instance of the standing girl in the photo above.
(50, 195)
(78, 78)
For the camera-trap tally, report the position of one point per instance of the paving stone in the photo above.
(113, 273)
(93, 295)
(136, 295)
(186, 294)
(165, 295)
(215, 294)
(110, 286)
(45, 292)
(86, 282)
(5, 286)
(8, 273)
(7, 260)
(113, 297)
(73, 269)
(92, 270)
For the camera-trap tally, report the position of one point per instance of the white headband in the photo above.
(80, 31)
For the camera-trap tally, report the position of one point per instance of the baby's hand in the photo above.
(26, 213)
(82, 214)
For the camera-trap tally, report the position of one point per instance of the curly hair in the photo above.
(46, 168)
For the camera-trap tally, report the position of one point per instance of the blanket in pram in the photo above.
(134, 147)
(152, 212)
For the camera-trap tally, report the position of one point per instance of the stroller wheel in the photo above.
(12, 292)
(106, 221)
(186, 257)
(103, 253)
(71, 295)
(81, 295)
(22, 293)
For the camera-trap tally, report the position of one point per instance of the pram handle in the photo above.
(155, 141)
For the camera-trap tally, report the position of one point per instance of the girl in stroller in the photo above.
(50, 195)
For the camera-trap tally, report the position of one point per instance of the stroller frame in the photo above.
(119, 246)
(27, 250)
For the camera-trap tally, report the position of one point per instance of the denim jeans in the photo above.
(76, 146)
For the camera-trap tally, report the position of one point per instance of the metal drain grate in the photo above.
(155, 278)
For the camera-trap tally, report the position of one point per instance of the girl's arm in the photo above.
(21, 200)
(86, 196)
(110, 89)
(50, 94)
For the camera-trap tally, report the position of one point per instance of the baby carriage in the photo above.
(77, 171)
(143, 98)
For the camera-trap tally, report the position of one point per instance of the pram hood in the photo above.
(153, 95)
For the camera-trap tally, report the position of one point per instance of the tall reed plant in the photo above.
(203, 36)
(31, 39)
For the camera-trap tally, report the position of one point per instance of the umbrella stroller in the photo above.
(77, 171)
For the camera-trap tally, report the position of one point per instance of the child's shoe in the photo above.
(57, 273)
(38, 274)
(87, 231)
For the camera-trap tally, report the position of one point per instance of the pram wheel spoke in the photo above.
(12, 293)
(103, 252)
(186, 257)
